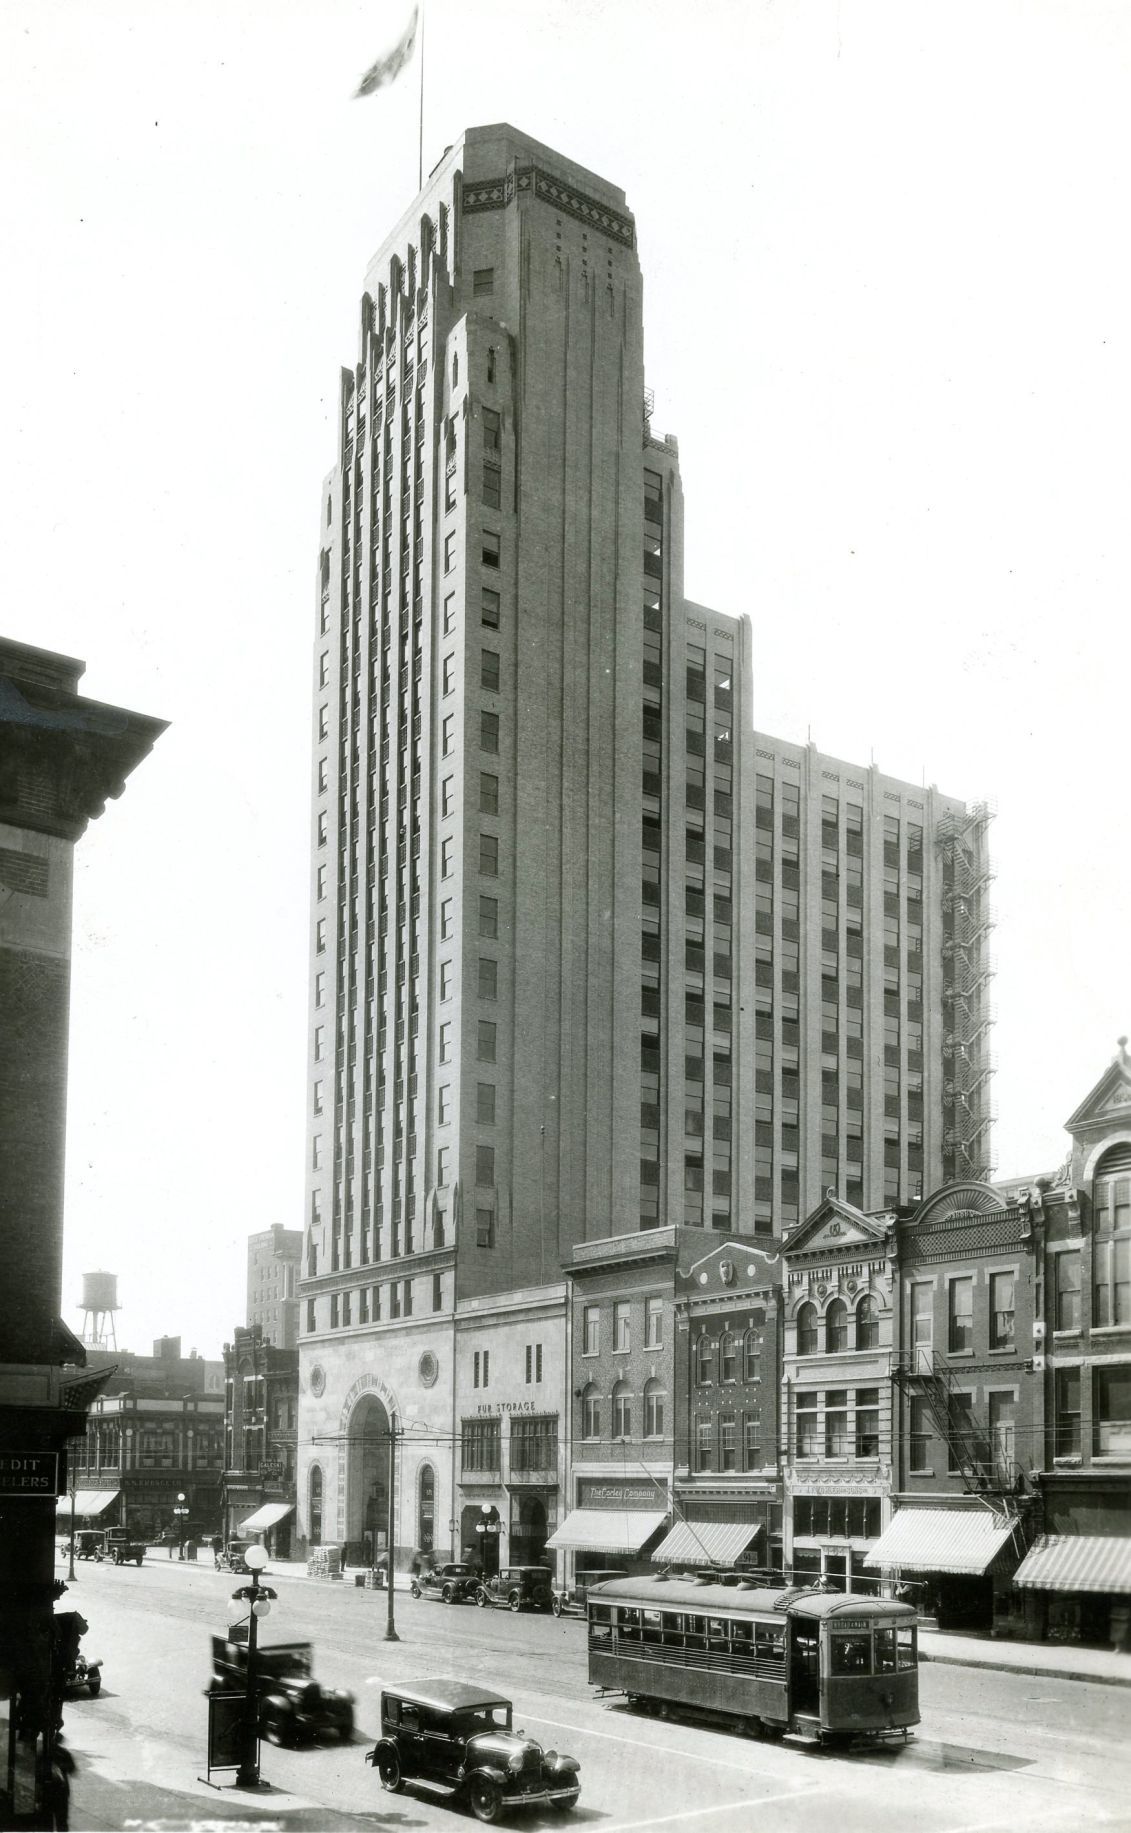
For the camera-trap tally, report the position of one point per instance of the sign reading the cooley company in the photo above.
(29, 1473)
(592, 1494)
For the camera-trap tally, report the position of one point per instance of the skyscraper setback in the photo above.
(589, 956)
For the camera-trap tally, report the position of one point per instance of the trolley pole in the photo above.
(390, 1627)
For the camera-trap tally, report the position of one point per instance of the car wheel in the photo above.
(556, 1607)
(95, 1685)
(566, 1802)
(482, 1599)
(389, 1770)
(277, 1729)
(485, 1798)
(447, 1595)
(414, 1588)
(514, 1602)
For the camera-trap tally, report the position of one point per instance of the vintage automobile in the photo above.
(571, 1598)
(293, 1708)
(231, 1558)
(88, 1544)
(517, 1588)
(120, 1545)
(452, 1584)
(460, 1735)
(78, 1673)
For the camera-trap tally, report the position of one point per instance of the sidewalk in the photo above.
(1050, 1660)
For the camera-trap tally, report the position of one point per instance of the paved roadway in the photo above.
(994, 1750)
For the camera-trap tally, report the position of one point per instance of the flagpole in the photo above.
(420, 160)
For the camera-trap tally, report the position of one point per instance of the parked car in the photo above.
(293, 1708)
(78, 1673)
(572, 1598)
(231, 1558)
(121, 1546)
(88, 1544)
(517, 1588)
(461, 1735)
(452, 1584)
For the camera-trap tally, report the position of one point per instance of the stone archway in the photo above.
(365, 1504)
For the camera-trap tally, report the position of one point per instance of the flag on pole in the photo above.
(389, 67)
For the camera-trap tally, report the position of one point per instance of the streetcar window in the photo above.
(717, 1632)
(600, 1623)
(769, 1643)
(742, 1636)
(850, 1654)
(653, 1625)
(630, 1625)
(694, 1631)
(885, 1651)
(673, 1628)
(905, 1646)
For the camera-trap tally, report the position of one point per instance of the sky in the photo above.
(888, 318)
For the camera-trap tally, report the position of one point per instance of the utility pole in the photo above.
(390, 1627)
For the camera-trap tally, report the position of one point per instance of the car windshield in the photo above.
(477, 1719)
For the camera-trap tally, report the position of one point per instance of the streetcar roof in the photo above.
(714, 1599)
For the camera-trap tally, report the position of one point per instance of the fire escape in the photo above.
(986, 1472)
(968, 1013)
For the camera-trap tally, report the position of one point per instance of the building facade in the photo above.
(550, 914)
(146, 1456)
(274, 1264)
(260, 1438)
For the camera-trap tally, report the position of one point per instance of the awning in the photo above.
(268, 1516)
(87, 1501)
(1077, 1562)
(607, 1530)
(942, 1540)
(707, 1543)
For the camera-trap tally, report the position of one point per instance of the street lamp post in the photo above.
(258, 1598)
(390, 1628)
(180, 1512)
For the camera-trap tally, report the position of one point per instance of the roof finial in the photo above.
(1123, 1057)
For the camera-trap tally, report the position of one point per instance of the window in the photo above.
(489, 549)
(704, 1444)
(488, 978)
(621, 1325)
(323, 776)
(489, 855)
(534, 1444)
(836, 1327)
(333, 1311)
(751, 1442)
(486, 1041)
(807, 1330)
(448, 734)
(590, 1330)
(963, 1443)
(320, 936)
(485, 1166)
(622, 1411)
(484, 1228)
(836, 1423)
(489, 733)
(481, 1368)
(867, 1323)
(446, 1042)
(704, 1358)
(1067, 1439)
(448, 795)
(323, 722)
(444, 1104)
(492, 430)
(446, 921)
(320, 988)
(1111, 1411)
(479, 1447)
(488, 793)
(489, 609)
(310, 1324)
(867, 1422)
(591, 1413)
(449, 613)
(960, 1315)
(1111, 1275)
(489, 670)
(653, 1323)
(751, 1356)
(922, 1317)
(485, 1103)
(919, 1436)
(491, 364)
(446, 979)
(728, 1441)
(449, 551)
(808, 1443)
(727, 1357)
(483, 281)
(447, 855)
(1003, 1428)
(488, 917)
(449, 674)
(533, 1363)
(1068, 1291)
(654, 1398)
(492, 487)
(321, 883)
(1001, 1311)
(443, 1164)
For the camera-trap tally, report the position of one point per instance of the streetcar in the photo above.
(813, 1665)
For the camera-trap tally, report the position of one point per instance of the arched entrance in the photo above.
(367, 1479)
(528, 1531)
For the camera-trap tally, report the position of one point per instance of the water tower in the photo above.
(99, 1303)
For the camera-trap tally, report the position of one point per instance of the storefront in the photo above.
(958, 1559)
(615, 1524)
(1077, 1588)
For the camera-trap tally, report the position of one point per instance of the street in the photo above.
(993, 1750)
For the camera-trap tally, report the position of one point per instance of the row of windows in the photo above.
(960, 1313)
(621, 1321)
(838, 1423)
(722, 1358)
(481, 1366)
(533, 1444)
(1111, 1286)
(363, 1304)
(622, 1402)
(835, 1335)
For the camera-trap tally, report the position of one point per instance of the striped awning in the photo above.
(706, 1543)
(87, 1502)
(266, 1517)
(1077, 1562)
(943, 1540)
(607, 1530)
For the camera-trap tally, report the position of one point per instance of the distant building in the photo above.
(274, 1259)
(260, 1435)
(143, 1452)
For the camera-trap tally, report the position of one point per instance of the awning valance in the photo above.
(943, 1540)
(1077, 1562)
(87, 1501)
(708, 1543)
(266, 1517)
(607, 1530)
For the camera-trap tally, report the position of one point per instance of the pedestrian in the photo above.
(217, 1544)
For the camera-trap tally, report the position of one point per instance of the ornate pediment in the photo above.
(733, 1266)
(1109, 1102)
(835, 1227)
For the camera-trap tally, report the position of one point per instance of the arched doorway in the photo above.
(528, 1531)
(367, 1478)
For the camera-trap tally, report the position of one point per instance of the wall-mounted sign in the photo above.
(592, 1493)
(490, 1407)
(29, 1473)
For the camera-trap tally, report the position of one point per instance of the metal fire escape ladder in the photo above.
(985, 1476)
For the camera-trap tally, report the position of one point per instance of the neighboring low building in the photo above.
(727, 1481)
(143, 1459)
(260, 1436)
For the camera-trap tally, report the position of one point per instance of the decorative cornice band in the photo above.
(497, 193)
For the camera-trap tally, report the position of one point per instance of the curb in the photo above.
(1036, 1672)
